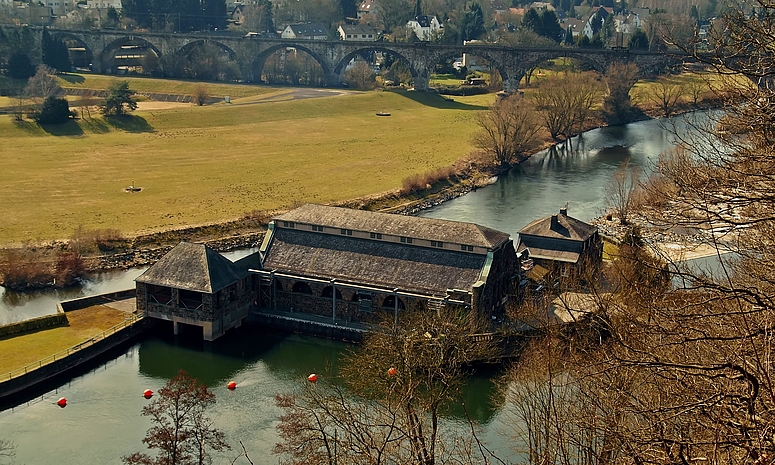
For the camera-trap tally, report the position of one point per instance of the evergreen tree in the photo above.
(119, 95)
(532, 21)
(639, 41)
(473, 23)
(55, 110)
(550, 26)
(418, 8)
(568, 36)
(694, 14)
(54, 52)
(20, 67)
(112, 18)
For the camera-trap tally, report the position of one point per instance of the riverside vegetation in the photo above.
(258, 159)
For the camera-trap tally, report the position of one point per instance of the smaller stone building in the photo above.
(195, 285)
(561, 244)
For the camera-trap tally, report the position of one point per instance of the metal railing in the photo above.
(74, 349)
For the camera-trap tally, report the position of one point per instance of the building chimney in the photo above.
(564, 211)
(555, 224)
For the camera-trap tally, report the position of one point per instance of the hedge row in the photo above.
(42, 322)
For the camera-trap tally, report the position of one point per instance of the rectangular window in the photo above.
(470, 248)
(317, 228)
(406, 240)
(375, 235)
(289, 224)
(463, 248)
(437, 244)
(347, 232)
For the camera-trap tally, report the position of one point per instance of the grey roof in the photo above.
(193, 267)
(357, 29)
(375, 263)
(565, 228)
(308, 29)
(398, 225)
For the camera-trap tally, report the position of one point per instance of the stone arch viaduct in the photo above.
(333, 56)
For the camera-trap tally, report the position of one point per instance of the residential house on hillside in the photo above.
(357, 32)
(347, 264)
(575, 26)
(309, 31)
(103, 4)
(561, 243)
(364, 8)
(194, 285)
(424, 27)
(594, 22)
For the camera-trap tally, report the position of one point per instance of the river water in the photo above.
(102, 421)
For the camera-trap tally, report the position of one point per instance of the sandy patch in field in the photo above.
(155, 105)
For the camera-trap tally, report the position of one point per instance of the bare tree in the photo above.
(666, 95)
(620, 78)
(85, 101)
(182, 433)
(360, 76)
(509, 130)
(393, 391)
(566, 103)
(7, 451)
(621, 191)
(201, 94)
(43, 85)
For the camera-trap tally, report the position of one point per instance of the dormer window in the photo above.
(375, 235)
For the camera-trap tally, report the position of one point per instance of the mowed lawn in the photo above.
(199, 165)
(18, 351)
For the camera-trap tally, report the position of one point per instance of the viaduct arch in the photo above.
(251, 54)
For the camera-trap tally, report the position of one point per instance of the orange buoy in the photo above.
(147, 393)
(231, 386)
(313, 378)
(391, 371)
(62, 402)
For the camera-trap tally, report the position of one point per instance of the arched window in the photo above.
(390, 302)
(328, 292)
(300, 287)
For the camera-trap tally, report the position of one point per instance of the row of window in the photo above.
(404, 239)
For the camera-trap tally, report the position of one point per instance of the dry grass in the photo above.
(199, 165)
(20, 350)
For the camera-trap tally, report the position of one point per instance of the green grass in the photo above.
(206, 164)
(162, 86)
(17, 351)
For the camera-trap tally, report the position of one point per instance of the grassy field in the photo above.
(148, 84)
(205, 164)
(18, 351)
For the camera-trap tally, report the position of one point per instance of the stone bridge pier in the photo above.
(251, 53)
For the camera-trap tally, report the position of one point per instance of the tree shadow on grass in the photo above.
(129, 123)
(95, 125)
(435, 100)
(69, 128)
(72, 78)
(27, 126)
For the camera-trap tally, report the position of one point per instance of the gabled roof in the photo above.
(560, 226)
(357, 29)
(193, 267)
(397, 225)
(376, 263)
(308, 29)
(366, 5)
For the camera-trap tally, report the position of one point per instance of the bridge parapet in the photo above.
(251, 53)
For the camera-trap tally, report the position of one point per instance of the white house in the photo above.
(61, 7)
(103, 4)
(595, 21)
(310, 31)
(365, 8)
(358, 32)
(424, 27)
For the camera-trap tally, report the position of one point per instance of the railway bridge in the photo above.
(250, 54)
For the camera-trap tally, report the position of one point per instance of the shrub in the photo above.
(419, 182)
(55, 110)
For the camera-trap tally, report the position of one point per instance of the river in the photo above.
(102, 421)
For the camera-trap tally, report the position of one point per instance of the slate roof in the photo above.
(398, 225)
(566, 227)
(193, 267)
(357, 29)
(308, 30)
(376, 263)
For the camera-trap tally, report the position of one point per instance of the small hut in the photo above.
(195, 285)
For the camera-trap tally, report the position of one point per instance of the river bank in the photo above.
(468, 174)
